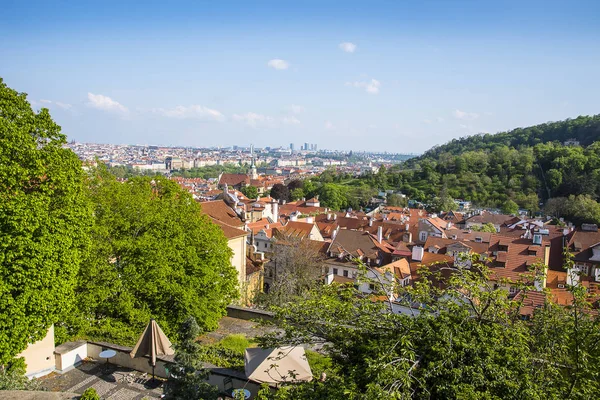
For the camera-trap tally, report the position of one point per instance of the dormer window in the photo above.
(478, 239)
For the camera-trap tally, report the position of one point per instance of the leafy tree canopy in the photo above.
(467, 340)
(44, 223)
(153, 255)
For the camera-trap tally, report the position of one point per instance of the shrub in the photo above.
(90, 394)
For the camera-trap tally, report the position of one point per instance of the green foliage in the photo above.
(297, 194)
(510, 207)
(154, 255)
(466, 340)
(396, 200)
(578, 209)
(12, 376)
(44, 223)
(333, 196)
(90, 394)
(524, 165)
(188, 379)
(250, 192)
(235, 342)
(489, 227)
(227, 353)
(319, 364)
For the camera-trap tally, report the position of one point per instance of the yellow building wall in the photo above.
(39, 356)
(238, 260)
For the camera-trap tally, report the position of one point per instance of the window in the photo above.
(335, 271)
(346, 273)
(585, 269)
(371, 287)
(478, 239)
(512, 290)
(265, 245)
(423, 236)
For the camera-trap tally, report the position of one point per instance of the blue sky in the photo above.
(398, 76)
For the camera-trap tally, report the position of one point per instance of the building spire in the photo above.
(253, 174)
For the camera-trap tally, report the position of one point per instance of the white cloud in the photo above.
(371, 86)
(464, 115)
(295, 109)
(329, 125)
(193, 111)
(50, 103)
(291, 120)
(253, 119)
(105, 103)
(278, 64)
(348, 47)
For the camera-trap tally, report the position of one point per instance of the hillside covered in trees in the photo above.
(526, 166)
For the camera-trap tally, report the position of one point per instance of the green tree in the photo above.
(332, 196)
(250, 192)
(396, 200)
(467, 340)
(297, 194)
(510, 207)
(188, 379)
(489, 227)
(154, 255)
(44, 223)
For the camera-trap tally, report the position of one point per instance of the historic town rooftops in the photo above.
(582, 244)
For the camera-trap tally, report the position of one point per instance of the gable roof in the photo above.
(514, 262)
(350, 242)
(296, 229)
(219, 210)
(234, 179)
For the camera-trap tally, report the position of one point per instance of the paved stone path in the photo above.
(111, 382)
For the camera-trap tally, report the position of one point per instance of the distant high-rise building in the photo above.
(291, 146)
(306, 146)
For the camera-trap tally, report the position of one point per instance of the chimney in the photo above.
(334, 234)
(449, 225)
(417, 253)
(267, 226)
(370, 221)
(379, 234)
(275, 210)
(309, 220)
(334, 216)
(328, 217)
(406, 227)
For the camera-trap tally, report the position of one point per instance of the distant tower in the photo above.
(253, 174)
(292, 147)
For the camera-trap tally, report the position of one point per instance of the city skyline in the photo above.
(375, 77)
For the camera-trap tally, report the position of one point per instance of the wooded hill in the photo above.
(526, 166)
(585, 129)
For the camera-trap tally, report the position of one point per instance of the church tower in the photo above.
(252, 173)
